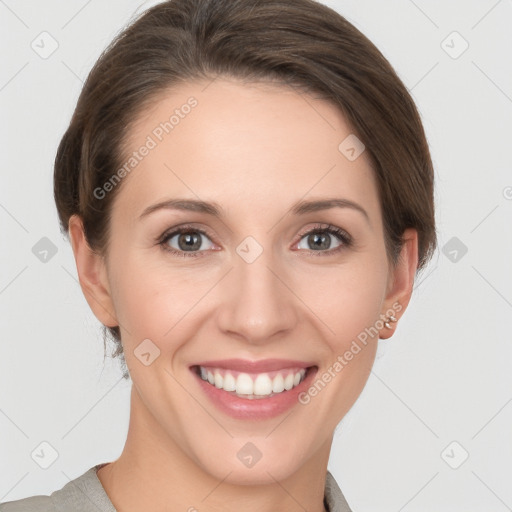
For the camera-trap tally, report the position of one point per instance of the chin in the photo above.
(252, 460)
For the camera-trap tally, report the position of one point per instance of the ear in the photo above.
(400, 282)
(92, 274)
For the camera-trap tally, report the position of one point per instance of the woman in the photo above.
(248, 192)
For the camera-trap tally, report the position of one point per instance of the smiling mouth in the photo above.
(253, 385)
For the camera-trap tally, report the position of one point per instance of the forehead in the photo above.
(233, 142)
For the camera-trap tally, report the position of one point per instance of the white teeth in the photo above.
(229, 382)
(218, 379)
(261, 386)
(244, 384)
(278, 384)
(288, 382)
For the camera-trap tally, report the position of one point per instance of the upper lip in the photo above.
(264, 365)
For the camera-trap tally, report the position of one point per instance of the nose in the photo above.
(258, 305)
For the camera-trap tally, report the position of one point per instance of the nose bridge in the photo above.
(256, 304)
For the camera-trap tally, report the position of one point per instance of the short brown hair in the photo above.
(300, 43)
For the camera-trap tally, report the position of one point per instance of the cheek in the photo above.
(154, 301)
(348, 299)
(349, 305)
(142, 304)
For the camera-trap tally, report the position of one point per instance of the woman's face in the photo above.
(240, 168)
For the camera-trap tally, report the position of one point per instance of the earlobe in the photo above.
(401, 282)
(92, 274)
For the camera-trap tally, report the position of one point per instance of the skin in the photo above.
(255, 149)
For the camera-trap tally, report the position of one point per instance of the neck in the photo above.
(154, 473)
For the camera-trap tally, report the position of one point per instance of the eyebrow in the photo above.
(214, 209)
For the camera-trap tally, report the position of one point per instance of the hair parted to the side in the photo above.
(301, 43)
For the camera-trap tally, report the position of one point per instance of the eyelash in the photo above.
(341, 234)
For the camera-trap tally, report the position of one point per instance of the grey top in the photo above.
(86, 494)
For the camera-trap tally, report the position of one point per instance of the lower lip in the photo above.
(257, 408)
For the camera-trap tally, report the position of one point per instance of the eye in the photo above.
(185, 241)
(188, 241)
(319, 238)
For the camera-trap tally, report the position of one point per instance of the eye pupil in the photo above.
(187, 241)
(317, 238)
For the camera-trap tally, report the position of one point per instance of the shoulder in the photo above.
(83, 494)
(33, 504)
(334, 498)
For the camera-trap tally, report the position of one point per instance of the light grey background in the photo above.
(444, 376)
